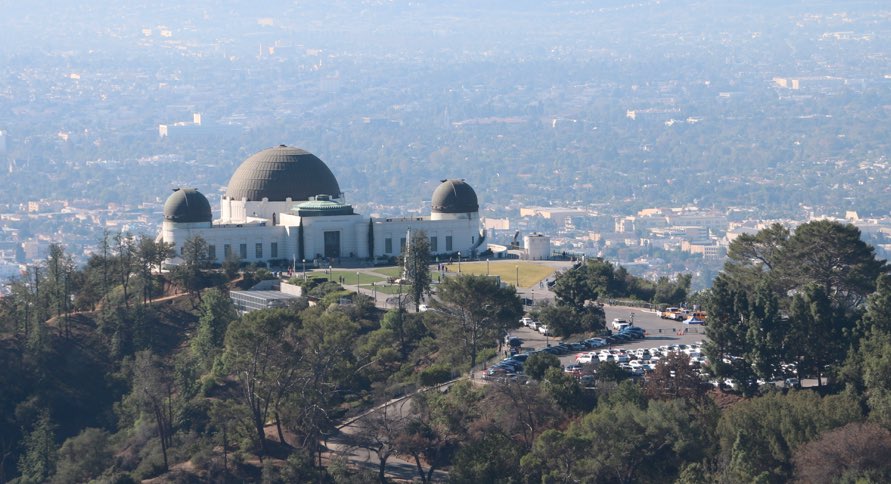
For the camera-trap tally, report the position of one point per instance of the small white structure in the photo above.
(538, 246)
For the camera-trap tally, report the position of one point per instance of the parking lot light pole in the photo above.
(459, 262)
(357, 282)
(487, 267)
(304, 270)
(518, 276)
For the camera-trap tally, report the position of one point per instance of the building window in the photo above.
(388, 245)
(273, 250)
(258, 250)
(212, 252)
(242, 251)
(448, 243)
(227, 251)
(434, 244)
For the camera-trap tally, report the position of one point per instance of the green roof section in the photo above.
(322, 208)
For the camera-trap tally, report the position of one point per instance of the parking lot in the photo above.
(659, 331)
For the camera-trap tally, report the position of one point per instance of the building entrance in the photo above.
(332, 244)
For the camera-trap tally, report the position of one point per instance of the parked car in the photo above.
(595, 342)
(619, 324)
(543, 329)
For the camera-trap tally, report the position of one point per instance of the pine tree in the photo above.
(39, 461)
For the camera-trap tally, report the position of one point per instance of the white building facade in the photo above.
(284, 203)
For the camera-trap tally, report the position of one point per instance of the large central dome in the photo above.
(279, 173)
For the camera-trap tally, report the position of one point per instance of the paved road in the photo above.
(402, 467)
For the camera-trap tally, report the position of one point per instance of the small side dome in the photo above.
(187, 205)
(454, 196)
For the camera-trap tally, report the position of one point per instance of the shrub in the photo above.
(434, 374)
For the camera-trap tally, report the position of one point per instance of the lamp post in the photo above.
(487, 267)
(304, 270)
(459, 262)
(357, 282)
(518, 275)
(374, 293)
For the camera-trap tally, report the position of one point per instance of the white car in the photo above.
(620, 324)
(583, 358)
(543, 329)
(526, 321)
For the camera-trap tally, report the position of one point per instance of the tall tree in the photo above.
(478, 309)
(38, 462)
(125, 253)
(216, 312)
(416, 262)
(819, 332)
(832, 256)
(262, 354)
(326, 366)
(190, 274)
(152, 392)
(379, 432)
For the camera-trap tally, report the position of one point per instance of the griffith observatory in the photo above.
(285, 203)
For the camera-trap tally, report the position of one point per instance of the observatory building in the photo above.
(284, 203)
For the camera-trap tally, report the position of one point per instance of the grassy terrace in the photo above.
(530, 273)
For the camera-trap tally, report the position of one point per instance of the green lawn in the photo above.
(349, 277)
(393, 271)
(530, 272)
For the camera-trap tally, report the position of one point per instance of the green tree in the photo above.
(818, 333)
(216, 312)
(153, 394)
(83, 457)
(517, 410)
(759, 436)
(562, 320)
(833, 257)
(537, 364)
(478, 309)
(325, 368)
(416, 263)
(437, 425)
(657, 440)
(746, 333)
(672, 292)
(495, 458)
(573, 287)
(568, 392)
(189, 275)
(125, 255)
(38, 463)
(262, 353)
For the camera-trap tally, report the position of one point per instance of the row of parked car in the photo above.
(642, 360)
(512, 366)
(535, 325)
